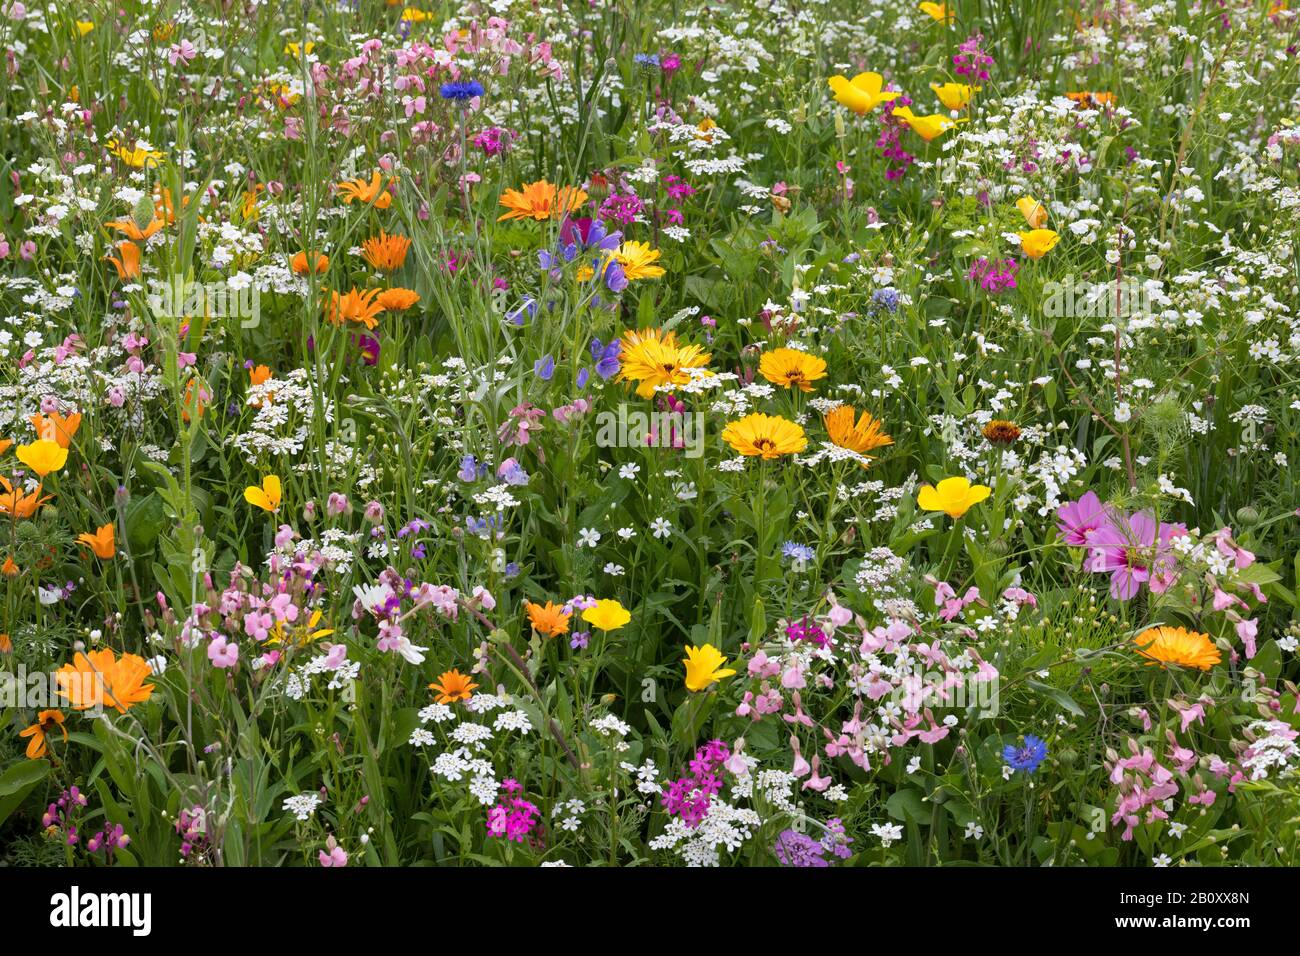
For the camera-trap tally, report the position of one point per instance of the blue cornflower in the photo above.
(1027, 756)
(646, 59)
(798, 552)
(886, 299)
(461, 91)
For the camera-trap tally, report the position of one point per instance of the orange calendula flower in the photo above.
(765, 436)
(863, 93)
(541, 201)
(355, 306)
(653, 358)
(384, 252)
(259, 374)
(1177, 645)
(452, 686)
(55, 427)
(301, 267)
(16, 504)
(791, 368)
(4, 444)
(10, 568)
(371, 192)
(127, 260)
(43, 456)
(47, 721)
(6, 645)
(102, 542)
(866, 435)
(397, 299)
(268, 496)
(549, 619)
(1090, 100)
(100, 678)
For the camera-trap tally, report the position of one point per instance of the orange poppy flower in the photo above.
(397, 299)
(4, 444)
(127, 261)
(55, 427)
(452, 686)
(371, 192)
(384, 252)
(102, 542)
(299, 263)
(129, 229)
(46, 722)
(6, 645)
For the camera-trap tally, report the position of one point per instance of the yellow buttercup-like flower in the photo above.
(862, 94)
(1038, 242)
(953, 496)
(1177, 645)
(638, 261)
(791, 368)
(765, 436)
(43, 456)
(954, 96)
(704, 666)
(608, 615)
(266, 497)
(939, 11)
(1035, 213)
(927, 127)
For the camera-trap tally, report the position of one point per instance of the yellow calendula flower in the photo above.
(267, 497)
(954, 96)
(704, 666)
(791, 368)
(927, 127)
(608, 615)
(1038, 242)
(43, 456)
(1177, 645)
(637, 260)
(953, 496)
(653, 358)
(1035, 213)
(939, 11)
(765, 436)
(863, 93)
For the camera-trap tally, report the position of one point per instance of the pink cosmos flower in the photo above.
(1134, 551)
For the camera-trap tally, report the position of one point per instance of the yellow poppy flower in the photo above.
(927, 127)
(939, 11)
(954, 96)
(43, 456)
(1035, 213)
(863, 93)
(704, 666)
(1038, 242)
(266, 497)
(608, 615)
(953, 496)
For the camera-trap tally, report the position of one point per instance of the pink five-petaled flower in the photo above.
(1135, 551)
(222, 653)
(1079, 520)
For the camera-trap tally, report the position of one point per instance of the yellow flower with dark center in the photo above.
(541, 201)
(384, 252)
(765, 436)
(43, 456)
(1176, 645)
(927, 127)
(397, 299)
(704, 666)
(268, 496)
(954, 96)
(99, 678)
(1001, 432)
(608, 615)
(452, 686)
(637, 260)
(548, 618)
(355, 306)
(653, 358)
(47, 721)
(371, 192)
(863, 437)
(1035, 213)
(791, 368)
(863, 93)
(953, 496)
(1038, 242)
